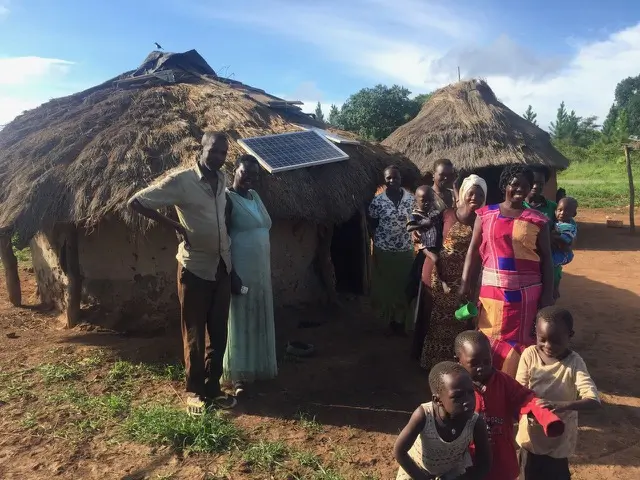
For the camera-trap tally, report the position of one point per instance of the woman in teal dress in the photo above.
(251, 349)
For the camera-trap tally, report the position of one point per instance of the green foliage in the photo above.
(319, 114)
(530, 115)
(165, 425)
(627, 99)
(374, 113)
(22, 255)
(422, 98)
(574, 130)
(334, 116)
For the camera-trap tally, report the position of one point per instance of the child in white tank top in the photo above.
(435, 442)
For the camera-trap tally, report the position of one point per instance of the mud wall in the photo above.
(52, 281)
(295, 278)
(132, 277)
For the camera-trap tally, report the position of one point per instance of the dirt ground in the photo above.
(360, 387)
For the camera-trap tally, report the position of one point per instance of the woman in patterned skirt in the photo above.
(512, 245)
(458, 227)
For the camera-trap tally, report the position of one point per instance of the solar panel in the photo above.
(288, 151)
(334, 137)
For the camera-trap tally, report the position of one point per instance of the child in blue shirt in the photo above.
(564, 231)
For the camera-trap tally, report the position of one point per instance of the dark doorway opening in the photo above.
(491, 175)
(348, 255)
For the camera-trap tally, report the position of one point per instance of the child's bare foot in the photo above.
(446, 288)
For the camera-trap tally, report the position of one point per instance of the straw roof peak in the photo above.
(468, 124)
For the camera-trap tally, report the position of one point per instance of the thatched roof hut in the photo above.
(75, 161)
(467, 124)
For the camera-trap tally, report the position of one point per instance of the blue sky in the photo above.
(537, 53)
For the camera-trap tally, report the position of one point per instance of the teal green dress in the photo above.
(251, 345)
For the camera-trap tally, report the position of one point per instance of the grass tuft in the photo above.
(164, 425)
(309, 423)
(59, 372)
(308, 460)
(265, 455)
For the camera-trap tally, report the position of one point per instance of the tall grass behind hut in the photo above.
(79, 158)
(466, 123)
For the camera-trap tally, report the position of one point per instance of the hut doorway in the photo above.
(491, 175)
(349, 255)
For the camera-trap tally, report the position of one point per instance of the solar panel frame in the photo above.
(334, 137)
(270, 150)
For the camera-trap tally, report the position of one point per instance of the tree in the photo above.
(319, 114)
(530, 115)
(574, 130)
(334, 116)
(422, 98)
(610, 122)
(565, 128)
(588, 131)
(627, 98)
(374, 113)
(620, 131)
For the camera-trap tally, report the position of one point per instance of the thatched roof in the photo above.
(466, 123)
(79, 158)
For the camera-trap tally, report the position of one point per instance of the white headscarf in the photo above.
(472, 180)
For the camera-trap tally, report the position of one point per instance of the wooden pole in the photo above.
(632, 191)
(74, 286)
(11, 277)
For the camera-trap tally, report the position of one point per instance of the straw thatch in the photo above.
(466, 123)
(79, 158)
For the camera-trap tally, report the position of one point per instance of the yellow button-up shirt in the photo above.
(201, 211)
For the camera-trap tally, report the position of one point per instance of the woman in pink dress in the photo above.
(512, 244)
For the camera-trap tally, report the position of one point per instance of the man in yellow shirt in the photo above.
(205, 277)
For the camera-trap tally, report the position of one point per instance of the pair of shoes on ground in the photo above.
(198, 404)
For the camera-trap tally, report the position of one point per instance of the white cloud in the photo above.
(419, 44)
(21, 70)
(12, 107)
(586, 84)
(26, 82)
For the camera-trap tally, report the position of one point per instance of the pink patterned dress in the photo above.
(511, 283)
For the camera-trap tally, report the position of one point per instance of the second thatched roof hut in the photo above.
(68, 167)
(467, 124)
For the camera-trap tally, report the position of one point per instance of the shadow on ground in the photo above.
(599, 237)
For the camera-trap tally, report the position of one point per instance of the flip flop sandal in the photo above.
(195, 406)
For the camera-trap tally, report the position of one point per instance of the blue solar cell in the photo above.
(288, 151)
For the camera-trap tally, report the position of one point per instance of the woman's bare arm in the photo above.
(471, 270)
(546, 267)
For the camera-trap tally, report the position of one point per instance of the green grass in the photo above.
(59, 372)
(124, 371)
(266, 456)
(166, 425)
(597, 177)
(73, 407)
(106, 406)
(308, 460)
(309, 423)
